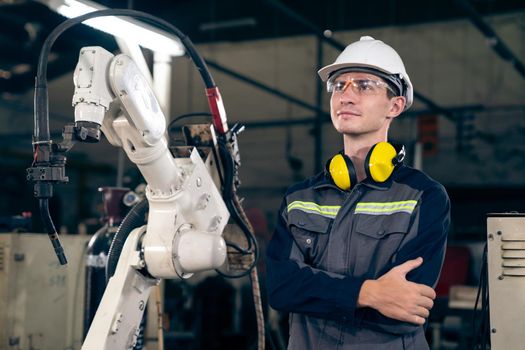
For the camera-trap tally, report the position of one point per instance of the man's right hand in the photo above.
(395, 297)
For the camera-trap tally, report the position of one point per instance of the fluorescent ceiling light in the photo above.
(129, 30)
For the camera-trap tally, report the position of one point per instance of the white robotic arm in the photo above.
(186, 212)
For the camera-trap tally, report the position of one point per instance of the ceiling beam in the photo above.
(266, 88)
(493, 39)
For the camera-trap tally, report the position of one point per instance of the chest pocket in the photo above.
(310, 233)
(376, 240)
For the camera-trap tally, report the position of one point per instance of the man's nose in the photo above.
(349, 95)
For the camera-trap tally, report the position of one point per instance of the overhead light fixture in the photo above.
(130, 30)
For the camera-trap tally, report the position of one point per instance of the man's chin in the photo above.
(349, 131)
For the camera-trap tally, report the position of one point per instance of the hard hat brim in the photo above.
(327, 71)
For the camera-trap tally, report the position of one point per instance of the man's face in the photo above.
(359, 104)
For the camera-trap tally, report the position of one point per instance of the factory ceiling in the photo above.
(26, 24)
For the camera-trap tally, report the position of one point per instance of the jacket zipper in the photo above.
(357, 195)
(349, 202)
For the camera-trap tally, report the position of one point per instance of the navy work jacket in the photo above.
(327, 242)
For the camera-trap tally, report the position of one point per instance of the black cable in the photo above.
(252, 241)
(51, 230)
(481, 332)
(485, 307)
(230, 200)
(237, 248)
(134, 218)
(229, 194)
(485, 310)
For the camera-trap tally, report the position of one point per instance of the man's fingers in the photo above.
(425, 302)
(422, 312)
(418, 320)
(409, 265)
(423, 289)
(426, 291)
(412, 318)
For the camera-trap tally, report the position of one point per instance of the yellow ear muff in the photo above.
(378, 164)
(342, 172)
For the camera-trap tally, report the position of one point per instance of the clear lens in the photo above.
(359, 86)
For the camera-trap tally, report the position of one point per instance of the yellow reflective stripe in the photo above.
(386, 207)
(311, 207)
(412, 202)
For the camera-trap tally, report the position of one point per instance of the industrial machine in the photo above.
(190, 197)
(40, 301)
(506, 280)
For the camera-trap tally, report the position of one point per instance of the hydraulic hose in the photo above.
(233, 204)
(134, 218)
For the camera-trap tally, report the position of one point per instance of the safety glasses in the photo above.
(365, 87)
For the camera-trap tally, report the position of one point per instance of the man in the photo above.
(354, 257)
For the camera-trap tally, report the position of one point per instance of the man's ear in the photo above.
(397, 105)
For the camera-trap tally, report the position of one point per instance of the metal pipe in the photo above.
(306, 23)
(493, 39)
(318, 129)
(162, 81)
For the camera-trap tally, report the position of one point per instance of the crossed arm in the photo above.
(396, 297)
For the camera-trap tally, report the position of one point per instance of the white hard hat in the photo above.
(376, 57)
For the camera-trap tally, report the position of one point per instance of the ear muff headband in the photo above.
(342, 172)
(379, 163)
